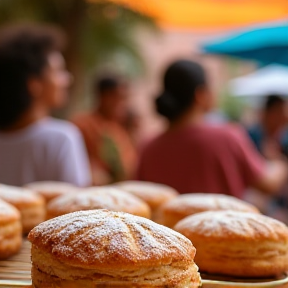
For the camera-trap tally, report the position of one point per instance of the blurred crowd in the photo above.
(101, 146)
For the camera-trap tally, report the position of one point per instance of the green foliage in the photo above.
(98, 31)
(232, 106)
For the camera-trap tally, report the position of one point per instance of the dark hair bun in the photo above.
(167, 106)
(181, 80)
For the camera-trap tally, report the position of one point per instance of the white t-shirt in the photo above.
(49, 149)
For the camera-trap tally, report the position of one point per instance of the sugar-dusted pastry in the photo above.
(10, 230)
(105, 197)
(188, 204)
(86, 248)
(51, 189)
(153, 194)
(30, 205)
(237, 243)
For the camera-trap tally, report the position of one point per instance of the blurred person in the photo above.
(34, 80)
(216, 117)
(270, 135)
(195, 156)
(132, 124)
(110, 148)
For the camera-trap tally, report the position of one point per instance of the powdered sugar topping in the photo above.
(16, 195)
(239, 224)
(98, 198)
(189, 203)
(7, 210)
(99, 236)
(148, 191)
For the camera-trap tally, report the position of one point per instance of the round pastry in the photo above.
(98, 198)
(10, 230)
(153, 194)
(237, 243)
(51, 189)
(188, 204)
(87, 248)
(30, 205)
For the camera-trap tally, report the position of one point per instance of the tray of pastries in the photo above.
(216, 281)
(102, 245)
(16, 270)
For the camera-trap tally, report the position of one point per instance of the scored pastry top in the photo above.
(102, 238)
(200, 202)
(153, 193)
(99, 198)
(230, 225)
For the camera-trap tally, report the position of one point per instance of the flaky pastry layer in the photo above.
(166, 274)
(185, 280)
(10, 239)
(188, 204)
(237, 243)
(32, 216)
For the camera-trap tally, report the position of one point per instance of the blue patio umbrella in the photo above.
(264, 45)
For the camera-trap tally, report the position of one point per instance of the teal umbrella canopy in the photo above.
(265, 45)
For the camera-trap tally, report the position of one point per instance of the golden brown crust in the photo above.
(10, 230)
(46, 280)
(153, 194)
(30, 205)
(90, 247)
(10, 239)
(107, 240)
(8, 213)
(246, 244)
(109, 198)
(20, 197)
(188, 204)
(51, 189)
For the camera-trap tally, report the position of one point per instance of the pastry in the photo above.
(30, 205)
(237, 243)
(51, 189)
(153, 194)
(188, 204)
(10, 230)
(98, 198)
(116, 249)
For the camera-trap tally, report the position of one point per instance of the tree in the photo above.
(98, 32)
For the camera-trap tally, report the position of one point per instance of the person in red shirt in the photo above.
(194, 156)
